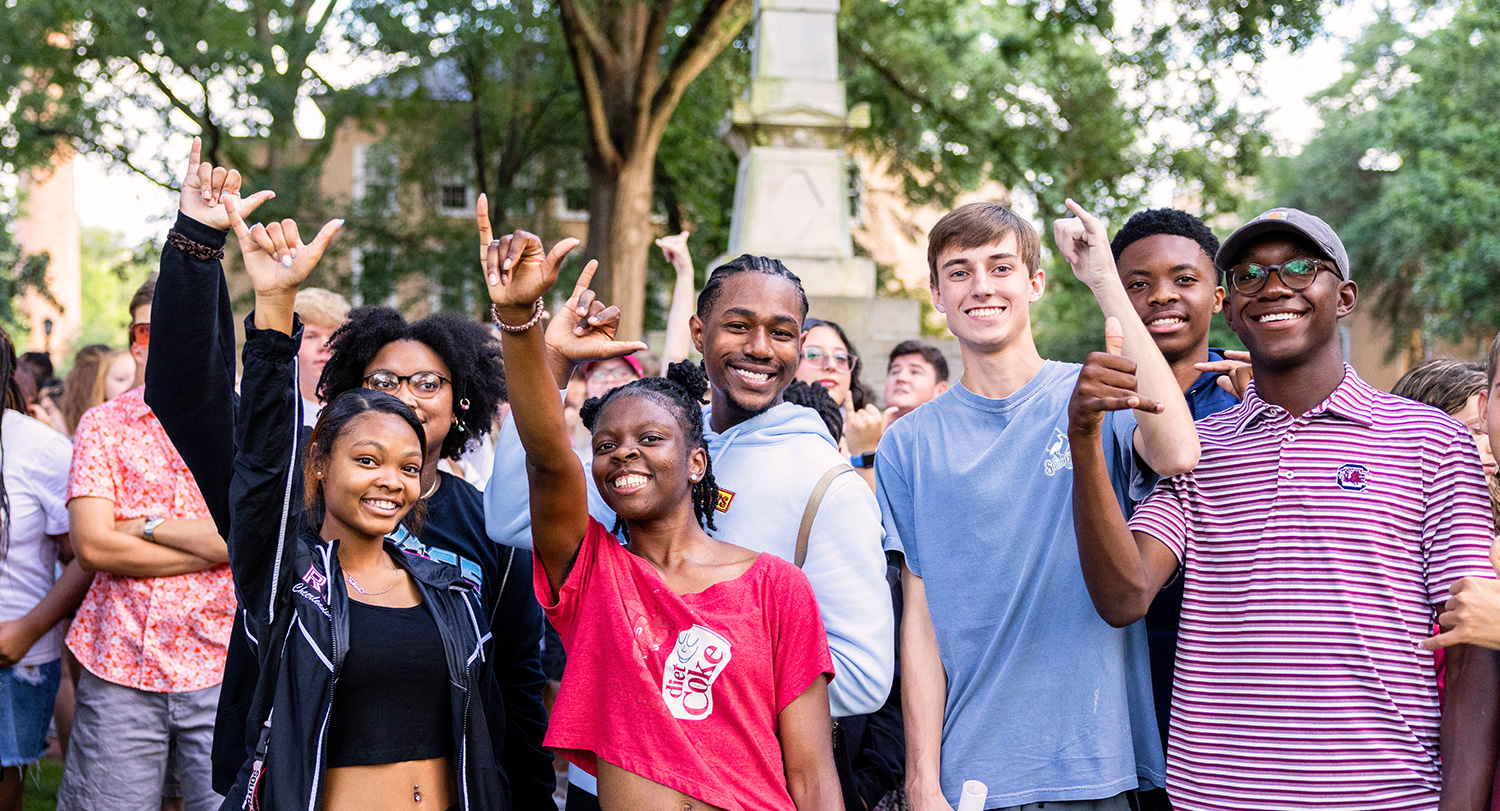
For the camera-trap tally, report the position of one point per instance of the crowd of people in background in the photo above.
(330, 557)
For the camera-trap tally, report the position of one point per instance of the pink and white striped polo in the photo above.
(1313, 550)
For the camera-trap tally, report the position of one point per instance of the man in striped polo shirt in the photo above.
(1324, 522)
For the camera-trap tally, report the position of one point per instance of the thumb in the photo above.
(232, 205)
(248, 205)
(325, 236)
(1440, 641)
(1114, 336)
(847, 407)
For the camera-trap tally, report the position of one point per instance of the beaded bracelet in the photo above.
(194, 248)
(536, 316)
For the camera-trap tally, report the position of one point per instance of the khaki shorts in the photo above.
(118, 755)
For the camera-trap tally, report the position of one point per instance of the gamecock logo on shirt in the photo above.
(1354, 477)
(687, 682)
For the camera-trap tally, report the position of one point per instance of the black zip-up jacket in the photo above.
(190, 386)
(296, 610)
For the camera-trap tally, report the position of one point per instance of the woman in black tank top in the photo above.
(398, 636)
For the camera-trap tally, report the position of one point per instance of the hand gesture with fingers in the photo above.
(1085, 244)
(864, 428)
(204, 187)
(584, 329)
(274, 255)
(674, 250)
(1234, 371)
(1107, 383)
(518, 273)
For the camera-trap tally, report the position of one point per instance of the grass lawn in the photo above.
(40, 793)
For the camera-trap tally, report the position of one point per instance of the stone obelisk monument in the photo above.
(792, 197)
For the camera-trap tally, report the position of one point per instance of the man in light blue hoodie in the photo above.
(768, 457)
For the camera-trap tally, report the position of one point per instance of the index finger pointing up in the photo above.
(585, 278)
(195, 157)
(1114, 336)
(1080, 213)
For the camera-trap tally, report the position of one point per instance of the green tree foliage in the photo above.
(1407, 168)
(1057, 100)
(113, 77)
(110, 272)
(18, 270)
(617, 99)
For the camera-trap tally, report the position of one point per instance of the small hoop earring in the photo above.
(463, 404)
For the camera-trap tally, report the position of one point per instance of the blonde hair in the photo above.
(324, 308)
(78, 388)
(96, 395)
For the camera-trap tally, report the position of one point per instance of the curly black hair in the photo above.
(817, 398)
(745, 263)
(681, 391)
(1150, 222)
(469, 350)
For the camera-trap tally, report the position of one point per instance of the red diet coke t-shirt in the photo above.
(683, 690)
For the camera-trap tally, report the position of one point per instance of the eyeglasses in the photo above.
(612, 375)
(140, 333)
(1248, 278)
(841, 360)
(423, 384)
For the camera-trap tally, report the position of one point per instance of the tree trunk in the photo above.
(621, 240)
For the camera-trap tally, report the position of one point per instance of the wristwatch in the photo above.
(148, 529)
(863, 460)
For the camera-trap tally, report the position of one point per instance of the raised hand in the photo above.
(275, 257)
(584, 329)
(518, 273)
(1107, 383)
(674, 250)
(204, 187)
(864, 428)
(1234, 371)
(1085, 244)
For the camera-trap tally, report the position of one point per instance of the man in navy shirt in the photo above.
(1166, 262)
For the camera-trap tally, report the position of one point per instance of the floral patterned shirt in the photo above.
(160, 634)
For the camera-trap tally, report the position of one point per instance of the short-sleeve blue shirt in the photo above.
(1046, 702)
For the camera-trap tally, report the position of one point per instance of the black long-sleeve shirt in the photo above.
(190, 387)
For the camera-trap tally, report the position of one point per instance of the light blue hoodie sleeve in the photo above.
(507, 499)
(846, 567)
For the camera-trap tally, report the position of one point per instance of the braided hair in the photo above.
(745, 263)
(14, 401)
(681, 392)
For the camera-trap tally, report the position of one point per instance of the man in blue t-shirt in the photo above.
(1008, 675)
(1166, 261)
